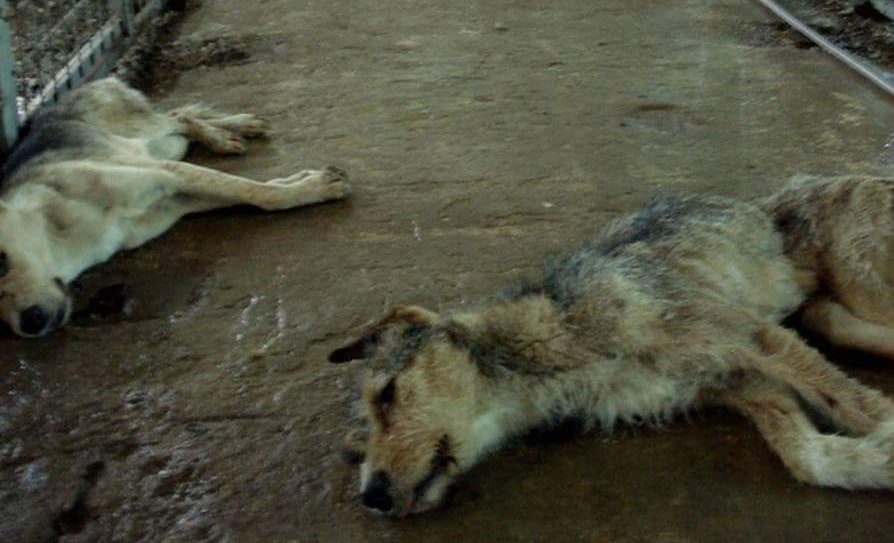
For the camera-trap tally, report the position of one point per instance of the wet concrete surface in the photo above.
(481, 136)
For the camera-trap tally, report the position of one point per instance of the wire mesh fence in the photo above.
(45, 36)
(50, 47)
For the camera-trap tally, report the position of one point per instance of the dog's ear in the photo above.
(359, 348)
(413, 314)
(363, 346)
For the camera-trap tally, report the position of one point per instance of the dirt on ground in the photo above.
(190, 399)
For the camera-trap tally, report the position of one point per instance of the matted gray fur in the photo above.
(675, 307)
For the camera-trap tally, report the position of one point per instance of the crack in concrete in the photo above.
(74, 518)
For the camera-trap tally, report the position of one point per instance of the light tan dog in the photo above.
(101, 173)
(672, 308)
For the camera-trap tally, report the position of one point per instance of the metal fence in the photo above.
(50, 47)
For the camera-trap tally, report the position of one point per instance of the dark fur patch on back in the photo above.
(496, 353)
(661, 217)
(553, 286)
(54, 130)
(562, 276)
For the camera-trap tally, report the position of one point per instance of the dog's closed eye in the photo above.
(386, 396)
(383, 401)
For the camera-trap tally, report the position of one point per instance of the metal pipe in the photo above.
(883, 81)
(9, 118)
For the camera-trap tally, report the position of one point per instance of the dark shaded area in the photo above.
(109, 302)
(74, 518)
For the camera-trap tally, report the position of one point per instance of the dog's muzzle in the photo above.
(37, 320)
(376, 495)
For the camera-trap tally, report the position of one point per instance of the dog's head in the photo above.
(422, 399)
(34, 299)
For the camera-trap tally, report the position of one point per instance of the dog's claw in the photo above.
(336, 174)
(335, 182)
(234, 145)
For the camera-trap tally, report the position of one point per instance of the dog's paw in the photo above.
(224, 142)
(299, 178)
(232, 144)
(335, 184)
(246, 125)
(335, 174)
(330, 183)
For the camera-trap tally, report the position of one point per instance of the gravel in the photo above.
(46, 34)
(854, 25)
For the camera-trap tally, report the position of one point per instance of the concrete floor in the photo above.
(481, 136)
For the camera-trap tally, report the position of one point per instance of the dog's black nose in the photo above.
(376, 496)
(33, 320)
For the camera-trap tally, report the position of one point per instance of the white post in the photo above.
(124, 9)
(9, 116)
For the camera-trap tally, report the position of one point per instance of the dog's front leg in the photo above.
(814, 457)
(851, 405)
(840, 326)
(212, 188)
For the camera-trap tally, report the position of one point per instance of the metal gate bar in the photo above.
(9, 118)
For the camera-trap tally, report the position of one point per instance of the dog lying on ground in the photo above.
(102, 172)
(670, 309)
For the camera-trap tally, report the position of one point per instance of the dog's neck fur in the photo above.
(540, 374)
(524, 349)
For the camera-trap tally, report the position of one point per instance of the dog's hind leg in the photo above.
(219, 132)
(245, 124)
(813, 457)
(212, 188)
(850, 405)
(215, 139)
(842, 328)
